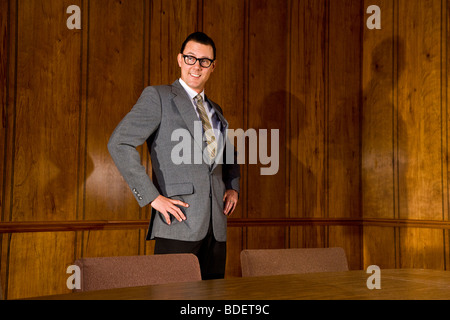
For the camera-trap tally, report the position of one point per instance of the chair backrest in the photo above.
(132, 271)
(289, 261)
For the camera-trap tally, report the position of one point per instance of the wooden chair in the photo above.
(132, 271)
(290, 261)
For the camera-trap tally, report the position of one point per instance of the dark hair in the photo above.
(201, 38)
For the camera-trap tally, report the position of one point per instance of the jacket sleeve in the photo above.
(231, 172)
(134, 129)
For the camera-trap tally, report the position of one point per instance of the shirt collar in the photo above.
(192, 93)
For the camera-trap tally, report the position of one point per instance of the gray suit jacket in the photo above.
(159, 111)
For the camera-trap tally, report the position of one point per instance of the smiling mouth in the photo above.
(195, 75)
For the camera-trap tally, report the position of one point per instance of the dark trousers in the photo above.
(211, 254)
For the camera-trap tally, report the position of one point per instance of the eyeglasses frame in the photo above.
(197, 59)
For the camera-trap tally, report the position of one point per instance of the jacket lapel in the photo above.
(223, 131)
(223, 121)
(187, 112)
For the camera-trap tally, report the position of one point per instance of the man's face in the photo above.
(195, 75)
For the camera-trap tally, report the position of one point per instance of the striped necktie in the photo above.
(211, 144)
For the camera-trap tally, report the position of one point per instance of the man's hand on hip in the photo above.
(168, 206)
(230, 200)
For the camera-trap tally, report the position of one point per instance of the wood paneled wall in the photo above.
(405, 133)
(361, 114)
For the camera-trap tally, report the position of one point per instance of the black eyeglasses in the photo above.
(191, 60)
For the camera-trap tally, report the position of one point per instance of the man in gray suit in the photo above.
(192, 197)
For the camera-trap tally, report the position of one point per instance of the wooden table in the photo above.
(396, 284)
